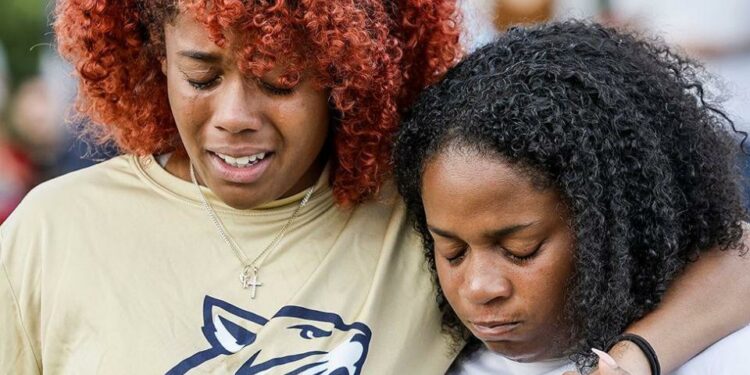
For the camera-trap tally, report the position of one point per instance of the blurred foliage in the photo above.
(23, 33)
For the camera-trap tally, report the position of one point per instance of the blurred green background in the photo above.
(24, 34)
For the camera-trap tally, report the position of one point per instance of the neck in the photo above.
(309, 179)
(178, 165)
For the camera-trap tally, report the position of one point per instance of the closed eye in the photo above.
(309, 332)
(201, 78)
(520, 259)
(275, 90)
(203, 85)
(457, 255)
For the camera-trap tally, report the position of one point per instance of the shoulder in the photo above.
(386, 215)
(105, 173)
(726, 357)
(387, 206)
(380, 230)
(70, 198)
(79, 187)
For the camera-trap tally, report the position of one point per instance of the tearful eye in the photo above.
(309, 332)
(274, 89)
(201, 79)
(203, 85)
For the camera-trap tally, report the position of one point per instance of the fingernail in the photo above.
(606, 358)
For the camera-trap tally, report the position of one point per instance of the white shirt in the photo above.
(729, 356)
(486, 362)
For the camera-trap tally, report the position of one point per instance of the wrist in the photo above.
(630, 358)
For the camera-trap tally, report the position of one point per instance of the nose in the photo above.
(237, 109)
(485, 282)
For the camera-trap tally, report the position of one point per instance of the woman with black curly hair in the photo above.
(567, 174)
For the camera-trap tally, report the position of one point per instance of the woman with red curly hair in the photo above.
(231, 237)
(247, 228)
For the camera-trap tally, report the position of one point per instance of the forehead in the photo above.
(186, 34)
(186, 31)
(464, 184)
(465, 172)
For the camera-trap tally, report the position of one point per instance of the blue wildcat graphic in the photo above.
(231, 330)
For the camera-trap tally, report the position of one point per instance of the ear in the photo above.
(230, 336)
(163, 62)
(227, 327)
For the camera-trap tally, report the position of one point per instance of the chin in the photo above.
(241, 205)
(240, 199)
(520, 351)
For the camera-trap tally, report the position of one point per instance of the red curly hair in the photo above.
(373, 55)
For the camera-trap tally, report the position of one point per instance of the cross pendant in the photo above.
(247, 283)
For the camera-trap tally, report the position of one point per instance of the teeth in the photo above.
(243, 161)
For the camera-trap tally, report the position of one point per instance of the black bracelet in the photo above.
(648, 351)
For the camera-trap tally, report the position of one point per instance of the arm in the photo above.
(707, 302)
(17, 355)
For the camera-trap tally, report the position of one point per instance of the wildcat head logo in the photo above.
(232, 331)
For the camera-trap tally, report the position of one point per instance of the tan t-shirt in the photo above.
(117, 269)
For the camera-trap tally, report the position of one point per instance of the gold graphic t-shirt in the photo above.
(117, 269)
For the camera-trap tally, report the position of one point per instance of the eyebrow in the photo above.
(502, 232)
(508, 230)
(199, 55)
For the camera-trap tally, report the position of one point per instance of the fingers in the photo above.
(607, 365)
(605, 359)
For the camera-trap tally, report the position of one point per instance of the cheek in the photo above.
(188, 108)
(302, 124)
(562, 270)
(189, 112)
(549, 291)
(450, 281)
(177, 101)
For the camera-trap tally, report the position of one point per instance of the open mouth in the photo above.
(242, 161)
(240, 169)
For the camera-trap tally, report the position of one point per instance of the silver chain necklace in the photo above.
(251, 268)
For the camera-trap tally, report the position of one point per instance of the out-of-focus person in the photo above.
(478, 18)
(483, 20)
(72, 152)
(511, 13)
(15, 179)
(44, 124)
(16, 173)
(34, 122)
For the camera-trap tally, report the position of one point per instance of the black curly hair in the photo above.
(619, 126)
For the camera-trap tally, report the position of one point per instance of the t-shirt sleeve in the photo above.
(16, 352)
(728, 356)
